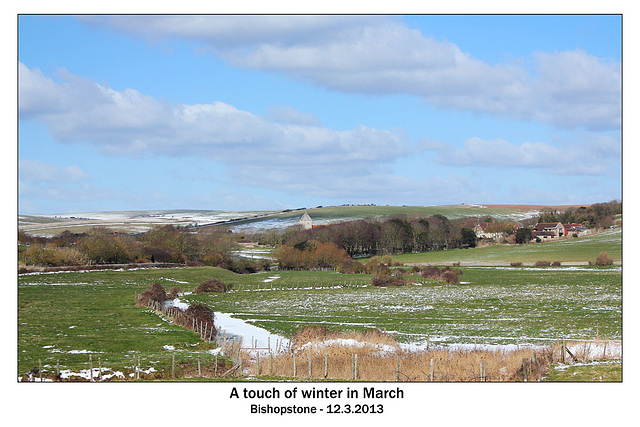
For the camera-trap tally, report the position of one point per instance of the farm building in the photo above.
(482, 231)
(578, 229)
(546, 230)
(306, 223)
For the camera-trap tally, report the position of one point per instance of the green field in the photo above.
(347, 213)
(610, 371)
(64, 318)
(574, 250)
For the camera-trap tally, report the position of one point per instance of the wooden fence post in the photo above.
(398, 368)
(173, 365)
(90, 369)
(294, 364)
(326, 365)
(309, 364)
(431, 371)
(355, 366)
(199, 370)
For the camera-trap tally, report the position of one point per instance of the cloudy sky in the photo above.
(259, 112)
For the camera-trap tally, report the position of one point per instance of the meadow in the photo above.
(578, 250)
(75, 320)
(64, 318)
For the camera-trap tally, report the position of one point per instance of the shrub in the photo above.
(200, 315)
(556, 263)
(174, 291)
(213, 285)
(351, 266)
(450, 277)
(516, 264)
(446, 274)
(431, 272)
(154, 292)
(603, 259)
(382, 280)
(543, 263)
(378, 269)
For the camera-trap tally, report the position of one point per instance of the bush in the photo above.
(378, 269)
(351, 266)
(516, 264)
(543, 263)
(174, 291)
(450, 277)
(213, 285)
(382, 280)
(556, 263)
(200, 315)
(446, 274)
(603, 259)
(431, 272)
(154, 292)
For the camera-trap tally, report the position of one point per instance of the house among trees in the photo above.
(546, 230)
(486, 230)
(571, 229)
(306, 223)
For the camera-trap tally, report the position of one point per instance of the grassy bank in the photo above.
(574, 250)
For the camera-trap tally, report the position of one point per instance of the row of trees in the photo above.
(599, 215)
(391, 235)
(164, 244)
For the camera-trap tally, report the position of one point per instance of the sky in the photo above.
(254, 112)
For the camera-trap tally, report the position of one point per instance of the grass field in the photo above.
(610, 371)
(331, 214)
(65, 318)
(574, 250)
(69, 316)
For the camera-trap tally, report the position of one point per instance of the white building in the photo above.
(306, 222)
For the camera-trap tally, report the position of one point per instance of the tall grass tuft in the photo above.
(321, 353)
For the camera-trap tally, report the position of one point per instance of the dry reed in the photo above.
(320, 353)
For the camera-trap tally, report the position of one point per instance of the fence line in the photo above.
(430, 366)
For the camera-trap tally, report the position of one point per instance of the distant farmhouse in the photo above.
(481, 230)
(579, 229)
(484, 230)
(545, 230)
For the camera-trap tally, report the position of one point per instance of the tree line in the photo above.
(329, 246)
(164, 244)
(598, 215)
(390, 235)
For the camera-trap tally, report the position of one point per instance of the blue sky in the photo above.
(260, 112)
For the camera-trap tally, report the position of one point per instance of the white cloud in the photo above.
(381, 55)
(131, 124)
(37, 171)
(289, 115)
(591, 157)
